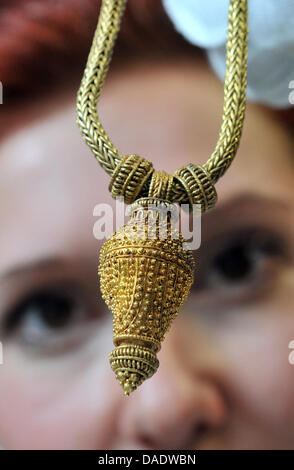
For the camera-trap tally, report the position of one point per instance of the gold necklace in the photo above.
(144, 280)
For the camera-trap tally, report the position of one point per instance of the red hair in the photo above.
(45, 43)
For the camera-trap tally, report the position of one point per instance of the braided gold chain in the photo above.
(189, 182)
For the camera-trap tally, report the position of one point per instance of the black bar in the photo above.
(136, 459)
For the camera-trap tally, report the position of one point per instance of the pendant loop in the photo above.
(161, 185)
(129, 177)
(198, 186)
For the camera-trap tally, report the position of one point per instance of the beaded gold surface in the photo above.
(145, 277)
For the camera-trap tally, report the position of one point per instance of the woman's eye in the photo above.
(237, 263)
(45, 318)
(242, 261)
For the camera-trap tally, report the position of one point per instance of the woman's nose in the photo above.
(173, 408)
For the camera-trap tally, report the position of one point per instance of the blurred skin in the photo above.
(224, 380)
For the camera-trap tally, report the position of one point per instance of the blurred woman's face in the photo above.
(224, 380)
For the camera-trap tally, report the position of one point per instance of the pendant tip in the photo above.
(128, 388)
(132, 365)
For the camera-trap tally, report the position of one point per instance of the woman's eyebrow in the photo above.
(253, 201)
(32, 266)
(244, 209)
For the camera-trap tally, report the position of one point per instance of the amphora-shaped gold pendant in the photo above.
(145, 276)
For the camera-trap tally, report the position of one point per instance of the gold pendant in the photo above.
(145, 276)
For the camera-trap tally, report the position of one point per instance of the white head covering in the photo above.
(270, 48)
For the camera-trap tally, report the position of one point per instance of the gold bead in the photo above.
(129, 177)
(198, 185)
